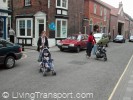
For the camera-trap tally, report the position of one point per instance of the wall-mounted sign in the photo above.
(52, 26)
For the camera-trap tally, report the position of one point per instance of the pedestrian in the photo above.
(11, 34)
(90, 43)
(42, 42)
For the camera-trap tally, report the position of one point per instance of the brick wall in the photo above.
(76, 14)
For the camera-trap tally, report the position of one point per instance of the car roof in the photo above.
(119, 35)
(98, 34)
(75, 34)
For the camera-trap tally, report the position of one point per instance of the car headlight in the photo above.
(59, 44)
(72, 45)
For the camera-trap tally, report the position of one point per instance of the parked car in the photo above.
(119, 39)
(131, 38)
(102, 38)
(9, 52)
(73, 42)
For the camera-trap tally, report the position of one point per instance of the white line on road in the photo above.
(114, 90)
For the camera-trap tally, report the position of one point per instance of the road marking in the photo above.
(24, 56)
(116, 86)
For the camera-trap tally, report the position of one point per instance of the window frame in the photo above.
(26, 28)
(26, 5)
(61, 20)
(101, 11)
(95, 8)
(61, 4)
(105, 14)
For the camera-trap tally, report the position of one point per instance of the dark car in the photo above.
(131, 39)
(9, 52)
(119, 39)
(73, 42)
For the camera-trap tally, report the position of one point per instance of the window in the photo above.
(62, 4)
(95, 8)
(61, 26)
(24, 27)
(27, 2)
(9, 44)
(101, 11)
(91, 25)
(105, 14)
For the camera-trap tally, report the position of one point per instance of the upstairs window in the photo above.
(27, 2)
(95, 8)
(105, 14)
(101, 11)
(62, 4)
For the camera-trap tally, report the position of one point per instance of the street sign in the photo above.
(52, 26)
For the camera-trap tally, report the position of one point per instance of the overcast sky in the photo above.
(127, 5)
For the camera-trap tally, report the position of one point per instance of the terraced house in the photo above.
(57, 17)
(97, 16)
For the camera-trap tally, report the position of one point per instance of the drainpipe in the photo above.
(12, 13)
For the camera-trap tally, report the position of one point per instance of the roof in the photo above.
(100, 2)
(114, 11)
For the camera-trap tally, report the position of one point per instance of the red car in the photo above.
(73, 42)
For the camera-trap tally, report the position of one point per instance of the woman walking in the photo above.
(42, 42)
(90, 43)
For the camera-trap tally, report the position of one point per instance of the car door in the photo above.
(83, 42)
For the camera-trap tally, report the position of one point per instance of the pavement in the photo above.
(124, 87)
(54, 48)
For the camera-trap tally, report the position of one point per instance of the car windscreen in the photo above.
(74, 37)
(119, 37)
(131, 37)
(98, 36)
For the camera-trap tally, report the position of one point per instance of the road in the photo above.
(77, 77)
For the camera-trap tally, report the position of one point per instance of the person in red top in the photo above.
(90, 43)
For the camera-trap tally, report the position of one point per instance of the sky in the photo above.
(127, 5)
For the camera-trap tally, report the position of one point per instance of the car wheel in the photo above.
(78, 49)
(9, 62)
(107, 45)
(61, 49)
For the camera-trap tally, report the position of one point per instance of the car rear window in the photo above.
(8, 44)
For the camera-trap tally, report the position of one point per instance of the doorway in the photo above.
(120, 28)
(41, 28)
(1, 27)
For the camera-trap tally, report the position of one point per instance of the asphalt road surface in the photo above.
(78, 78)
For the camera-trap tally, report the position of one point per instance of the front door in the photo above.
(41, 28)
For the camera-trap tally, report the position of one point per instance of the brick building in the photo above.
(57, 17)
(97, 16)
(119, 24)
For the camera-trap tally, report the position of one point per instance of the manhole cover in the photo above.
(78, 62)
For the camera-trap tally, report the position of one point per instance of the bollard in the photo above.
(22, 44)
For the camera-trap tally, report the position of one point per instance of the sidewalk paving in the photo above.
(124, 91)
(54, 48)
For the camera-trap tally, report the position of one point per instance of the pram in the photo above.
(46, 65)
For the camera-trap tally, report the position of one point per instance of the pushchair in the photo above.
(101, 52)
(46, 65)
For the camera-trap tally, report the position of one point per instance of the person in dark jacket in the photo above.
(42, 41)
(90, 43)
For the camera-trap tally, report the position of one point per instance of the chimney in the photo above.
(120, 4)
